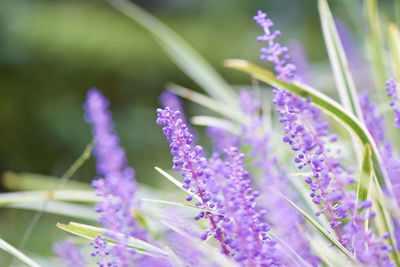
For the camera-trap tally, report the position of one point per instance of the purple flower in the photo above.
(392, 91)
(69, 254)
(284, 219)
(116, 184)
(308, 134)
(100, 245)
(193, 167)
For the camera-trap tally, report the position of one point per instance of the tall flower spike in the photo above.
(193, 167)
(392, 91)
(116, 185)
(273, 178)
(308, 134)
(69, 254)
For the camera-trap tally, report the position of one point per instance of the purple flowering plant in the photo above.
(294, 177)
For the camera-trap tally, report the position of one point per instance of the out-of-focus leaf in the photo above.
(178, 204)
(375, 45)
(206, 101)
(173, 258)
(176, 182)
(180, 52)
(394, 41)
(323, 231)
(60, 208)
(215, 122)
(17, 254)
(33, 181)
(366, 177)
(343, 78)
(61, 195)
(90, 232)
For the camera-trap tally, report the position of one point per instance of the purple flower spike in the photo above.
(69, 254)
(193, 167)
(101, 250)
(274, 52)
(392, 91)
(116, 184)
(308, 133)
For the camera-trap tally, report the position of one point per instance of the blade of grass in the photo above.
(43, 195)
(176, 182)
(205, 101)
(178, 204)
(33, 181)
(210, 121)
(364, 185)
(173, 258)
(77, 211)
(376, 45)
(337, 57)
(90, 232)
(180, 52)
(394, 41)
(322, 230)
(17, 254)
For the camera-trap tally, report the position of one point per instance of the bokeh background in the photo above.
(52, 52)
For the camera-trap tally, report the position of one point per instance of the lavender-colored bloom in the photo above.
(308, 134)
(372, 119)
(100, 245)
(392, 91)
(285, 219)
(245, 227)
(69, 254)
(221, 139)
(274, 52)
(193, 167)
(171, 100)
(116, 185)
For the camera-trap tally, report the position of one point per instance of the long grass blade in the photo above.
(323, 231)
(17, 254)
(341, 72)
(90, 232)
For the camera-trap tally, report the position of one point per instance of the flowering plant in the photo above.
(314, 201)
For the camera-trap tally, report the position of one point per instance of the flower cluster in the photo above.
(308, 134)
(100, 245)
(392, 91)
(69, 254)
(193, 167)
(116, 185)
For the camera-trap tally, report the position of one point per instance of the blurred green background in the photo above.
(52, 52)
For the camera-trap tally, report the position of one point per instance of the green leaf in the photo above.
(61, 195)
(205, 101)
(178, 204)
(375, 45)
(365, 176)
(341, 72)
(176, 182)
(180, 52)
(90, 232)
(59, 208)
(322, 230)
(210, 121)
(173, 258)
(394, 41)
(33, 181)
(17, 254)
